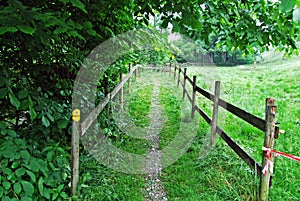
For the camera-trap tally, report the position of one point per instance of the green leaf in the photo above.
(62, 123)
(23, 94)
(25, 155)
(45, 122)
(287, 5)
(75, 34)
(87, 25)
(26, 29)
(1, 191)
(20, 172)
(61, 30)
(79, 5)
(50, 155)
(32, 175)
(14, 101)
(26, 198)
(40, 185)
(298, 3)
(34, 165)
(3, 125)
(28, 188)
(6, 198)
(55, 195)
(30, 101)
(197, 25)
(91, 32)
(15, 164)
(296, 15)
(46, 193)
(32, 113)
(12, 133)
(6, 185)
(3, 30)
(24, 104)
(17, 188)
(64, 195)
(3, 92)
(60, 187)
(50, 117)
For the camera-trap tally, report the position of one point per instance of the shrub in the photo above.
(30, 174)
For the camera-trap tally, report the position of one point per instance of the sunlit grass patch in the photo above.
(139, 106)
(171, 107)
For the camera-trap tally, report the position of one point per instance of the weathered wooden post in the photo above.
(214, 120)
(184, 81)
(175, 71)
(138, 71)
(129, 84)
(121, 96)
(178, 78)
(76, 132)
(268, 158)
(194, 95)
(135, 74)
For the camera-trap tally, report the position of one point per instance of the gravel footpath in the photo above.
(154, 188)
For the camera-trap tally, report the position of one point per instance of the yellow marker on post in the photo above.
(76, 115)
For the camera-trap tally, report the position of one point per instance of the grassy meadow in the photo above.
(203, 173)
(248, 87)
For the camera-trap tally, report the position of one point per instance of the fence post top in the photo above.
(270, 101)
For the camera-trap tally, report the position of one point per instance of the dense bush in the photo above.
(28, 173)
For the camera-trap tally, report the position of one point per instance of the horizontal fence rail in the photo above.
(96, 111)
(80, 127)
(268, 126)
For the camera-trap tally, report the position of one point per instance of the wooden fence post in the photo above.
(194, 95)
(121, 92)
(130, 69)
(184, 81)
(175, 71)
(271, 110)
(76, 132)
(135, 75)
(178, 78)
(214, 120)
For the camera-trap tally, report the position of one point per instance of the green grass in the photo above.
(172, 108)
(139, 106)
(101, 183)
(139, 109)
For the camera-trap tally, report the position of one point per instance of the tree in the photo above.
(245, 25)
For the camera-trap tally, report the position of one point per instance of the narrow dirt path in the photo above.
(155, 190)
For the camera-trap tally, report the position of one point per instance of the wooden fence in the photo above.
(268, 126)
(81, 126)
